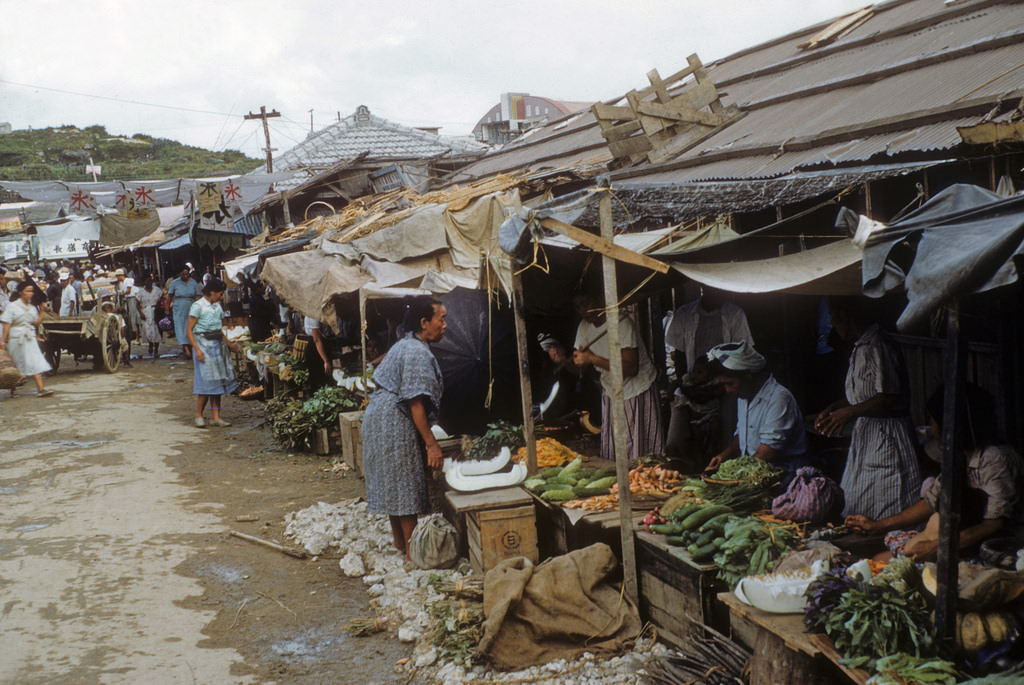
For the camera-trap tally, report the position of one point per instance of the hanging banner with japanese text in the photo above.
(67, 240)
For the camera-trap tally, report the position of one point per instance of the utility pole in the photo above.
(310, 121)
(264, 115)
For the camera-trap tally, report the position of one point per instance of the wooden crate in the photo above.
(671, 585)
(350, 424)
(497, 534)
(458, 505)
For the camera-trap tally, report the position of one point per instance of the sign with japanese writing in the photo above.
(214, 212)
(81, 200)
(68, 240)
(15, 248)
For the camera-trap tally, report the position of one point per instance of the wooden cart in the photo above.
(98, 335)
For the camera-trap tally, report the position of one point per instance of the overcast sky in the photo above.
(425, 63)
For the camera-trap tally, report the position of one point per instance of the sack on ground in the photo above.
(559, 609)
(9, 373)
(433, 543)
(812, 497)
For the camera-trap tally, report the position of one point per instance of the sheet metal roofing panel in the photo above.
(886, 18)
(932, 87)
(872, 58)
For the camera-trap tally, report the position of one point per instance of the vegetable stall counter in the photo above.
(783, 651)
(677, 594)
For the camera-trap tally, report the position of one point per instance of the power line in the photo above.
(113, 99)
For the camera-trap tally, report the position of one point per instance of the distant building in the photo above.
(5, 127)
(519, 112)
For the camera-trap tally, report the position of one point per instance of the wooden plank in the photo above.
(693, 62)
(604, 246)
(788, 627)
(680, 113)
(614, 134)
(611, 112)
(992, 133)
(611, 303)
(498, 534)
(525, 385)
(464, 502)
(624, 149)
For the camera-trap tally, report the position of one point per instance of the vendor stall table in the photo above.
(493, 525)
(783, 652)
(672, 585)
(563, 530)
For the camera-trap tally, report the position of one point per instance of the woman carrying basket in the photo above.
(20, 338)
(212, 373)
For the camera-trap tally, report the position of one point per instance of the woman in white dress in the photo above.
(20, 322)
(147, 298)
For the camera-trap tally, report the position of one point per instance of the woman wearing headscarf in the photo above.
(183, 291)
(882, 476)
(20, 337)
(398, 445)
(147, 297)
(213, 374)
(769, 424)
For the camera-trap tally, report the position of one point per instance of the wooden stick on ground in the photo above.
(290, 551)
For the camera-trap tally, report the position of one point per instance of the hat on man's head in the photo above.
(119, 272)
(737, 356)
(62, 276)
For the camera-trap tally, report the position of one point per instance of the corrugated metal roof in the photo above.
(898, 84)
(363, 132)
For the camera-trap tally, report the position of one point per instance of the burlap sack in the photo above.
(556, 610)
(9, 373)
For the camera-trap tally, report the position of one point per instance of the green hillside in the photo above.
(61, 154)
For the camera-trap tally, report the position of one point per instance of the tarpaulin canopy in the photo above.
(964, 240)
(308, 280)
(121, 230)
(67, 238)
(832, 269)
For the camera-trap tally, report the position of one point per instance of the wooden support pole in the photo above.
(953, 475)
(604, 245)
(362, 341)
(525, 386)
(618, 417)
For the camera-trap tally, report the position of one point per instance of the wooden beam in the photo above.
(604, 245)
(992, 133)
(618, 404)
(953, 475)
(635, 145)
(603, 111)
(525, 386)
(618, 132)
(683, 114)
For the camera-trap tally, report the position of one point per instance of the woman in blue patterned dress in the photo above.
(183, 292)
(882, 476)
(396, 424)
(212, 374)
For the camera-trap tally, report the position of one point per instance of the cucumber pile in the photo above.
(739, 545)
(572, 481)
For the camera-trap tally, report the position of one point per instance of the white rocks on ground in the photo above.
(401, 595)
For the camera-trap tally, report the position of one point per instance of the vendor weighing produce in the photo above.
(769, 424)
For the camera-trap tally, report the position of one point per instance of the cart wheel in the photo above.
(110, 344)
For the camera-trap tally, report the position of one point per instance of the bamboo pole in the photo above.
(618, 417)
(525, 386)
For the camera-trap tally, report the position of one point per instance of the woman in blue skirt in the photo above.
(212, 375)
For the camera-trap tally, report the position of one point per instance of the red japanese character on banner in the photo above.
(124, 201)
(82, 200)
(144, 196)
(232, 193)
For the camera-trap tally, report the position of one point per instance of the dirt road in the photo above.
(115, 561)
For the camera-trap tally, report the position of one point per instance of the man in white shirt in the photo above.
(69, 300)
(643, 410)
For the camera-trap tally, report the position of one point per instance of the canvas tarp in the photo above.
(120, 230)
(718, 232)
(964, 240)
(307, 281)
(832, 269)
(419, 234)
(68, 238)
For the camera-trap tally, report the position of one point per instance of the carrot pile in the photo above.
(653, 481)
(598, 503)
(550, 453)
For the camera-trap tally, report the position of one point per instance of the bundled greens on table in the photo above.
(499, 434)
(294, 422)
(749, 469)
(867, 620)
(743, 484)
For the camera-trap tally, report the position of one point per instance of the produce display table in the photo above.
(675, 588)
(783, 652)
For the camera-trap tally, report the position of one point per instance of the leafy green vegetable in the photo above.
(900, 669)
(749, 469)
(294, 422)
(499, 434)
